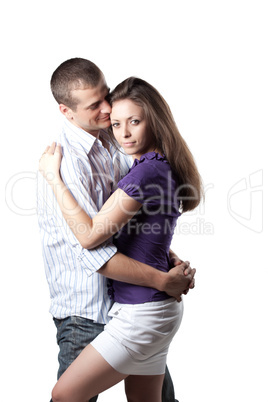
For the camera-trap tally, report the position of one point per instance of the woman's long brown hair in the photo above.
(167, 137)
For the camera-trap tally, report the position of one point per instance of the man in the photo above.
(91, 167)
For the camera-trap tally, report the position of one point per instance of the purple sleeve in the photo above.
(137, 182)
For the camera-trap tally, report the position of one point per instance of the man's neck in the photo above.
(104, 143)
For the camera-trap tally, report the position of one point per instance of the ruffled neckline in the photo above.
(150, 156)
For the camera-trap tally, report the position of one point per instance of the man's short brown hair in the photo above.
(76, 73)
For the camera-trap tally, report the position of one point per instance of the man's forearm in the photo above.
(125, 269)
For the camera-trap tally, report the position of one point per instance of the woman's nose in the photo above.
(125, 132)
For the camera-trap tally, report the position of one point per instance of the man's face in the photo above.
(93, 111)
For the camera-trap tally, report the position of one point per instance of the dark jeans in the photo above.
(74, 333)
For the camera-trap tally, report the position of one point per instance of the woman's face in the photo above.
(130, 128)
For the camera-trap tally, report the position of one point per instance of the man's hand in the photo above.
(174, 282)
(175, 261)
(179, 279)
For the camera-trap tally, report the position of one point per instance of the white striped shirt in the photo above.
(91, 172)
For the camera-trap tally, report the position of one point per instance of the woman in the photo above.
(144, 210)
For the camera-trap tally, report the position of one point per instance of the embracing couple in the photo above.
(119, 171)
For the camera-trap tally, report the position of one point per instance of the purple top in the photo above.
(148, 235)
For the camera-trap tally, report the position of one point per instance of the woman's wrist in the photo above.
(55, 181)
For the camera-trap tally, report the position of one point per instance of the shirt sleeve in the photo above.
(81, 189)
(51, 219)
(140, 183)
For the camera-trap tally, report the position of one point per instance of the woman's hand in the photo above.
(49, 164)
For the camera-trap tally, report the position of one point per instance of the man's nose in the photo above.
(105, 107)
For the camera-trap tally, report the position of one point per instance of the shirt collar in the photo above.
(78, 135)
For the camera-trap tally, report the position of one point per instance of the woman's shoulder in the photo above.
(150, 168)
(151, 157)
(149, 161)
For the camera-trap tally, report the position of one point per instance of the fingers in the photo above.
(53, 148)
(189, 271)
(45, 151)
(186, 267)
(192, 284)
(190, 276)
(176, 262)
(58, 148)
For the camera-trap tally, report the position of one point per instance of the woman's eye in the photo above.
(115, 125)
(135, 122)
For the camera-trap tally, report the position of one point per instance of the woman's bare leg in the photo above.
(86, 377)
(144, 388)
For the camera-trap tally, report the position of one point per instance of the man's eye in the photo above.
(94, 107)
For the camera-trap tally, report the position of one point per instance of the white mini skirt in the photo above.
(137, 338)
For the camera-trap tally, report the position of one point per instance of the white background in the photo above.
(209, 60)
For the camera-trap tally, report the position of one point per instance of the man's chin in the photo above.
(106, 124)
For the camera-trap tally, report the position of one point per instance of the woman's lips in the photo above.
(128, 144)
